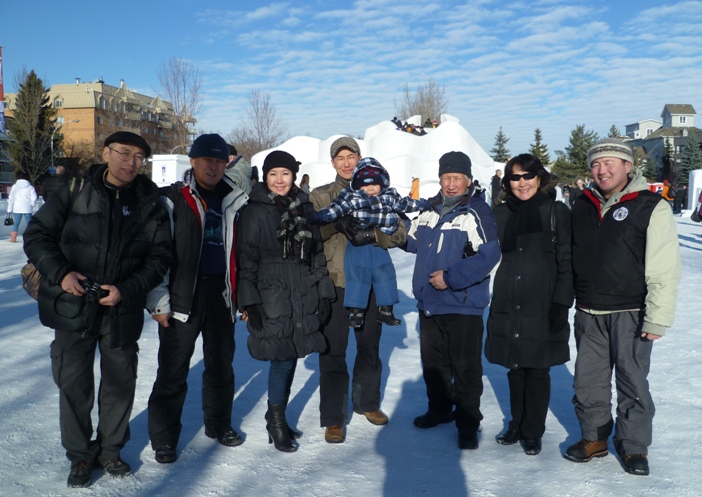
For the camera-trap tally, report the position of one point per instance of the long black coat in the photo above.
(529, 279)
(76, 234)
(289, 290)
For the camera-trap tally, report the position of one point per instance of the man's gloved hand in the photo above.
(558, 318)
(324, 311)
(362, 237)
(348, 225)
(256, 316)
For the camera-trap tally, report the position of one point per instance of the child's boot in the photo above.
(386, 316)
(355, 318)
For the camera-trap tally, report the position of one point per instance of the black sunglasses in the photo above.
(525, 176)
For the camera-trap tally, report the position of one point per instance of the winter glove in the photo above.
(363, 237)
(256, 317)
(348, 225)
(558, 318)
(324, 311)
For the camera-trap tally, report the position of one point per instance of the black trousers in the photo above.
(211, 317)
(72, 361)
(334, 374)
(529, 394)
(451, 347)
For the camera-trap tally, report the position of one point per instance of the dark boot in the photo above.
(277, 428)
(356, 318)
(386, 316)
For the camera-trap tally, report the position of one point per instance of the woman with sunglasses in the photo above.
(533, 289)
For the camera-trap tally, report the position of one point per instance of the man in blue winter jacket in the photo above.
(457, 250)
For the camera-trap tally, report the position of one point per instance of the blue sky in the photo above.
(337, 67)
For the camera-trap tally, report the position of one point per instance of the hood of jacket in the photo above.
(370, 162)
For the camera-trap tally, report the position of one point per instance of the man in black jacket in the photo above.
(198, 296)
(100, 247)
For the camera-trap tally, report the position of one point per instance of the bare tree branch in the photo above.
(261, 129)
(181, 84)
(428, 100)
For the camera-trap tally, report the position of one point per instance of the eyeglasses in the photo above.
(525, 176)
(129, 157)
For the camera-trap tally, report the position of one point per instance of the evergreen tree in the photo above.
(691, 158)
(32, 128)
(499, 151)
(566, 171)
(667, 161)
(646, 164)
(614, 132)
(539, 149)
(576, 152)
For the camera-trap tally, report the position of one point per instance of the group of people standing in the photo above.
(198, 252)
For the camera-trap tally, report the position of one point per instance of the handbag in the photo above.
(696, 214)
(30, 280)
(9, 221)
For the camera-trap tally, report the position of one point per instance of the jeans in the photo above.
(17, 217)
(280, 378)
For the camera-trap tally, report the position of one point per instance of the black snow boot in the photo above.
(386, 316)
(277, 428)
(356, 318)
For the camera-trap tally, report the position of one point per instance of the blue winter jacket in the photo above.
(463, 243)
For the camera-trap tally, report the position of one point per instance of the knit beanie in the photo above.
(278, 158)
(210, 145)
(366, 177)
(610, 147)
(344, 142)
(455, 162)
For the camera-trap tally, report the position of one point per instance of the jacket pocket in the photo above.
(68, 305)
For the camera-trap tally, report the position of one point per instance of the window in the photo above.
(103, 103)
(119, 123)
(683, 119)
(58, 103)
(154, 130)
(649, 131)
(59, 120)
(99, 119)
(99, 136)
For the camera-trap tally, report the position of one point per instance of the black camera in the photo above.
(93, 290)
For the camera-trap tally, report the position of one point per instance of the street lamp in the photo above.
(176, 147)
(52, 138)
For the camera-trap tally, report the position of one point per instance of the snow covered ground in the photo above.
(395, 460)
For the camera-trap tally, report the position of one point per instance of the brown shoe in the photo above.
(376, 417)
(584, 450)
(334, 434)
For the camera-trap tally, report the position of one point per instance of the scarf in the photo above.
(450, 203)
(525, 218)
(294, 234)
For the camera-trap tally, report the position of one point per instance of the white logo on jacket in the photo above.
(620, 214)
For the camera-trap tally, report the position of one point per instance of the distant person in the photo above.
(668, 193)
(53, 183)
(254, 176)
(239, 170)
(626, 267)
(197, 298)
(21, 202)
(414, 189)
(305, 183)
(99, 249)
(284, 287)
(575, 191)
(375, 204)
(527, 329)
(496, 188)
(367, 370)
(678, 200)
(457, 250)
